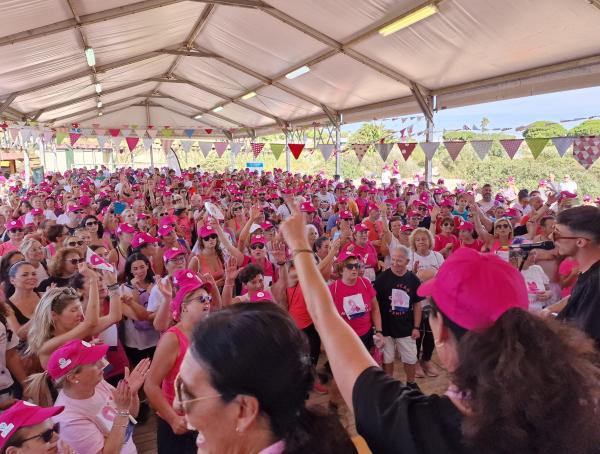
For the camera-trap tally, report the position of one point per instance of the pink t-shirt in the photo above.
(85, 423)
(565, 268)
(441, 241)
(354, 303)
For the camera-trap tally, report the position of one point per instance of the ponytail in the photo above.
(40, 390)
(533, 386)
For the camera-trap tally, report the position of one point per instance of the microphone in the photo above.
(545, 245)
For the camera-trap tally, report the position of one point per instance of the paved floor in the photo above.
(145, 435)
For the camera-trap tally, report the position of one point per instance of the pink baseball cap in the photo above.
(207, 230)
(346, 214)
(74, 353)
(188, 281)
(23, 414)
(261, 296)
(406, 228)
(125, 228)
(85, 201)
(37, 211)
(345, 255)
(461, 289)
(307, 207)
(141, 239)
(168, 220)
(511, 213)
(464, 225)
(373, 207)
(447, 203)
(173, 252)
(361, 228)
(14, 225)
(73, 208)
(141, 216)
(164, 230)
(258, 239)
(342, 200)
(267, 225)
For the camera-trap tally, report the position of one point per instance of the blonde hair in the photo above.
(510, 226)
(55, 300)
(27, 244)
(38, 387)
(415, 232)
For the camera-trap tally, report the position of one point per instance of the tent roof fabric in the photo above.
(164, 62)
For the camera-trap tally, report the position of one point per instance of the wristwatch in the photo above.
(378, 331)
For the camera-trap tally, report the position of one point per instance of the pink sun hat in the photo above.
(74, 353)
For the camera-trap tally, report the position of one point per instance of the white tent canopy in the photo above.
(164, 62)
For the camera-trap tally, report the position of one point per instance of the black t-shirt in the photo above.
(46, 283)
(397, 319)
(395, 419)
(583, 308)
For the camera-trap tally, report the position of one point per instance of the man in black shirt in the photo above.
(577, 235)
(400, 309)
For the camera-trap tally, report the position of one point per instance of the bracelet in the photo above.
(378, 331)
(417, 328)
(227, 284)
(112, 287)
(122, 413)
(295, 252)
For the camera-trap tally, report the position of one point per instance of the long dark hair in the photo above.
(533, 386)
(134, 258)
(100, 232)
(275, 368)
(5, 266)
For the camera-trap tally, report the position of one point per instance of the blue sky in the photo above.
(513, 112)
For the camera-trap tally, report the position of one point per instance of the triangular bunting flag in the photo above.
(562, 144)
(277, 149)
(235, 148)
(99, 131)
(257, 148)
(114, 132)
(360, 149)
(326, 150)
(205, 147)
(167, 145)
(406, 149)
(481, 147)
(586, 150)
(101, 141)
(511, 146)
(147, 141)
(220, 148)
(167, 132)
(189, 132)
(152, 133)
(429, 148)
(208, 131)
(536, 145)
(47, 136)
(186, 145)
(14, 133)
(132, 142)
(86, 132)
(296, 149)
(74, 137)
(454, 148)
(60, 136)
(116, 142)
(97, 262)
(384, 149)
(26, 134)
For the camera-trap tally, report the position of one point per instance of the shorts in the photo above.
(406, 347)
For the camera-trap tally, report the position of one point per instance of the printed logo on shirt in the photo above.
(354, 306)
(400, 301)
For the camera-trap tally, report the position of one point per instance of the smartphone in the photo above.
(119, 207)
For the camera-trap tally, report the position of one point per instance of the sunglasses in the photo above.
(212, 236)
(90, 224)
(421, 209)
(75, 243)
(204, 299)
(46, 435)
(447, 224)
(353, 266)
(75, 261)
(557, 236)
(16, 230)
(237, 208)
(503, 226)
(257, 246)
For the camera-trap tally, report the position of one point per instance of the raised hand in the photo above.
(231, 270)
(279, 252)
(165, 288)
(293, 228)
(137, 377)
(122, 396)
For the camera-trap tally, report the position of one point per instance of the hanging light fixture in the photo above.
(409, 19)
(90, 57)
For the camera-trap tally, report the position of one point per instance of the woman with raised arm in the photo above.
(488, 406)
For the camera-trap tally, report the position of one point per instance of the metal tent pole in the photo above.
(338, 143)
(288, 160)
(429, 138)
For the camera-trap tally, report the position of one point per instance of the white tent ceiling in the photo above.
(162, 62)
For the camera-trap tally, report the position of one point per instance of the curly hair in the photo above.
(418, 230)
(533, 387)
(56, 267)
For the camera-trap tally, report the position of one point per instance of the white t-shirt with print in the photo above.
(5, 345)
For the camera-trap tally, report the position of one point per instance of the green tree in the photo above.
(587, 128)
(370, 133)
(543, 129)
(485, 122)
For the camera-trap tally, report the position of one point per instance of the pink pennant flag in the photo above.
(152, 133)
(132, 142)
(406, 149)
(208, 131)
(454, 148)
(95, 261)
(586, 150)
(511, 146)
(296, 149)
(14, 133)
(220, 148)
(114, 132)
(48, 136)
(257, 148)
(74, 137)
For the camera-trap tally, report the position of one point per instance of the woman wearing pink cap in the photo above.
(15, 231)
(97, 417)
(26, 428)
(191, 304)
(466, 237)
(362, 247)
(118, 256)
(505, 390)
(210, 260)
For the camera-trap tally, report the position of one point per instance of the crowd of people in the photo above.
(221, 301)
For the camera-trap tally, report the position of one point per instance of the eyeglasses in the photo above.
(237, 208)
(557, 236)
(76, 212)
(353, 266)
(212, 236)
(46, 435)
(257, 246)
(75, 261)
(180, 393)
(421, 208)
(16, 230)
(75, 243)
(179, 258)
(91, 223)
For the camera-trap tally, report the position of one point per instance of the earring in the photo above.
(77, 381)
(238, 430)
